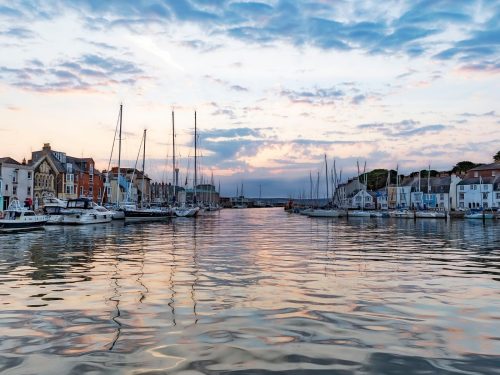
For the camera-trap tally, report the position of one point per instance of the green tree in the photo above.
(496, 158)
(464, 166)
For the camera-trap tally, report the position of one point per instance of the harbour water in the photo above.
(254, 291)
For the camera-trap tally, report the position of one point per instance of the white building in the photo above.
(479, 192)
(361, 199)
(16, 181)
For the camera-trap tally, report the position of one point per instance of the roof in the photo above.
(478, 180)
(486, 167)
(9, 160)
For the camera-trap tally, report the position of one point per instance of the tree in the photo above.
(464, 166)
(496, 158)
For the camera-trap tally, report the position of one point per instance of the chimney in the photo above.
(46, 147)
(24, 161)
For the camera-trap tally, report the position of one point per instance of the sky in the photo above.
(276, 85)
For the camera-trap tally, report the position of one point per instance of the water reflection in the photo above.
(252, 291)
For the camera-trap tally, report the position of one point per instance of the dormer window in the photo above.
(493, 173)
(476, 174)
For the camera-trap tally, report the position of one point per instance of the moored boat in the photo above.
(320, 212)
(430, 214)
(185, 211)
(83, 211)
(55, 209)
(479, 215)
(402, 213)
(17, 218)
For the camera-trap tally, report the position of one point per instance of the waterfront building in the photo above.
(16, 181)
(381, 199)
(205, 193)
(361, 199)
(480, 187)
(347, 190)
(72, 177)
(129, 187)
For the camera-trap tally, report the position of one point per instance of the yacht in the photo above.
(479, 214)
(55, 209)
(402, 213)
(185, 211)
(17, 218)
(323, 212)
(134, 214)
(427, 214)
(83, 211)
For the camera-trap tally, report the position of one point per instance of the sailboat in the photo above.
(143, 213)
(361, 212)
(326, 211)
(183, 210)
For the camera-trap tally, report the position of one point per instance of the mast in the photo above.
(397, 185)
(429, 180)
(119, 157)
(366, 185)
(195, 167)
(326, 178)
(174, 179)
(143, 165)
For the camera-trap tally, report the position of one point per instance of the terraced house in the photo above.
(480, 188)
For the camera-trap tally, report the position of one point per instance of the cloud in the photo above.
(86, 73)
(18, 33)
(227, 84)
(405, 128)
(316, 96)
(486, 114)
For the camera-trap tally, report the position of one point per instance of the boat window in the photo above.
(77, 204)
(29, 213)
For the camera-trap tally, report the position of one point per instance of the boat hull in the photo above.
(13, 226)
(325, 213)
(86, 219)
(137, 216)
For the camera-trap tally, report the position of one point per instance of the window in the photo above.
(14, 190)
(493, 173)
(498, 195)
(485, 204)
(485, 195)
(69, 168)
(28, 191)
(461, 205)
(474, 187)
(81, 190)
(6, 187)
(461, 196)
(462, 187)
(29, 175)
(441, 196)
(14, 177)
(476, 174)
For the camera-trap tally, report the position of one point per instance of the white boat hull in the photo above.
(86, 218)
(359, 214)
(325, 213)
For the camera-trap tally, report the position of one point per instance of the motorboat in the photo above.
(321, 212)
(83, 211)
(55, 209)
(185, 211)
(427, 214)
(402, 213)
(135, 214)
(17, 218)
(479, 214)
(359, 213)
(379, 214)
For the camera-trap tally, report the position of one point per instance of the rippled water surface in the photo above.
(254, 291)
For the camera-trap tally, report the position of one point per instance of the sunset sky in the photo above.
(276, 84)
